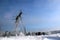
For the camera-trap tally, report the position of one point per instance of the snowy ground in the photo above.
(27, 37)
(22, 38)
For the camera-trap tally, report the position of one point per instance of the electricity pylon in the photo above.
(17, 20)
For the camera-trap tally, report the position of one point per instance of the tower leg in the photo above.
(16, 28)
(24, 29)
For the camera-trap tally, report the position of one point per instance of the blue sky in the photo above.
(38, 15)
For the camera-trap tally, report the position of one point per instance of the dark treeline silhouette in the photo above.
(37, 33)
(7, 34)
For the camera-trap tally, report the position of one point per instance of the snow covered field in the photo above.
(22, 38)
(27, 37)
